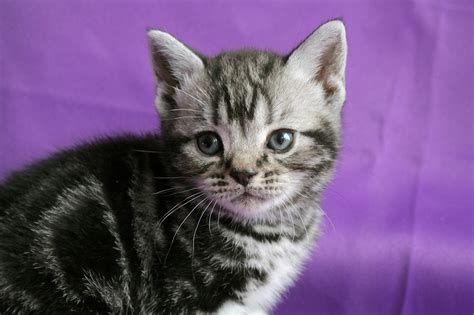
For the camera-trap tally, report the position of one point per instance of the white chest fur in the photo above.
(281, 261)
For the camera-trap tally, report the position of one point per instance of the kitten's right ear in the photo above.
(321, 58)
(173, 62)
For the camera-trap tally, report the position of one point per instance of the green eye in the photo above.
(209, 143)
(281, 140)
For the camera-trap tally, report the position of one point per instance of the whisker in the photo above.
(182, 117)
(179, 227)
(281, 221)
(184, 109)
(176, 192)
(191, 96)
(180, 205)
(219, 217)
(184, 191)
(329, 218)
(194, 236)
(296, 209)
(338, 194)
(292, 221)
(320, 209)
(204, 93)
(164, 190)
(302, 222)
(210, 215)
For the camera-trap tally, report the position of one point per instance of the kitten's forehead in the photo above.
(247, 94)
(240, 86)
(254, 89)
(244, 66)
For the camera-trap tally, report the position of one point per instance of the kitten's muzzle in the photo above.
(243, 177)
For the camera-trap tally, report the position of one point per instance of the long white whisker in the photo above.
(288, 213)
(302, 222)
(179, 205)
(197, 226)
(184, 109)
(218, 217)
(184, 191)
(191, 96)
(204, 93)
(194, 235)
(182, 117)
(281, 221)
(175, 188)
(179, 227)
(164, 190)
(320, 209)
(210, 215)
(329, 219)
(292, 221)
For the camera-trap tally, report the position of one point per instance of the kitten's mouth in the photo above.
(248, 203)
(247, 196)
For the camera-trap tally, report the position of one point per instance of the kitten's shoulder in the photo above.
(109, 160)
(60, 222)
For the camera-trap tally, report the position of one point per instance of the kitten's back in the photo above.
(57, 222)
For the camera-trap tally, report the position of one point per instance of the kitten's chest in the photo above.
(281, 262)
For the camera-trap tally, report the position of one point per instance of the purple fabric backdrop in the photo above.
(400, 235)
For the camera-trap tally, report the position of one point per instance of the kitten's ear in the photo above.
(173, 62)
(321, 57)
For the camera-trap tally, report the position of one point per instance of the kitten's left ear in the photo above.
(172, 60)
(321, 58)
(173, 64)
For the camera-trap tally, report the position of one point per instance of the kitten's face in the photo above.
(250, 130)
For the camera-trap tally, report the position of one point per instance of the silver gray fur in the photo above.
(153, 224)
(243, 96)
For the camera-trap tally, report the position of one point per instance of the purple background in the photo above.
(401, 203)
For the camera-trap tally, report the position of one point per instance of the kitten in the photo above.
(215, 215)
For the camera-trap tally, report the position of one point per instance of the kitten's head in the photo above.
(252, 130)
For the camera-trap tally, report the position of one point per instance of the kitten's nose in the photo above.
(242, 176)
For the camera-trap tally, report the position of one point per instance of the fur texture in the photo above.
(156, 224)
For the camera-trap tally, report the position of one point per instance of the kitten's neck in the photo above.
(293, 221)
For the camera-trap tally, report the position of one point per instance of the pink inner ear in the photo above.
(329, 65)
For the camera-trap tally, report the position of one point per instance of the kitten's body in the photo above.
(149, 225)
(94, 242)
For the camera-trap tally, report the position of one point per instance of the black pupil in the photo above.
(208, 141)
(282, 138)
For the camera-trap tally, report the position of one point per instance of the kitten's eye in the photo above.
(281, 140)
(209, 143)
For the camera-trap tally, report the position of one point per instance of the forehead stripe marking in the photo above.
(215, 73)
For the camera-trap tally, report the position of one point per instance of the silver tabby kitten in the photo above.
(267, 135)
(215, 215)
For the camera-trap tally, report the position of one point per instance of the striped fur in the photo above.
(151, 225)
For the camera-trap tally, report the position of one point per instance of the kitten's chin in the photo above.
(249, 206)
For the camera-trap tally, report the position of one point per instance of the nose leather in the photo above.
(242, 176)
